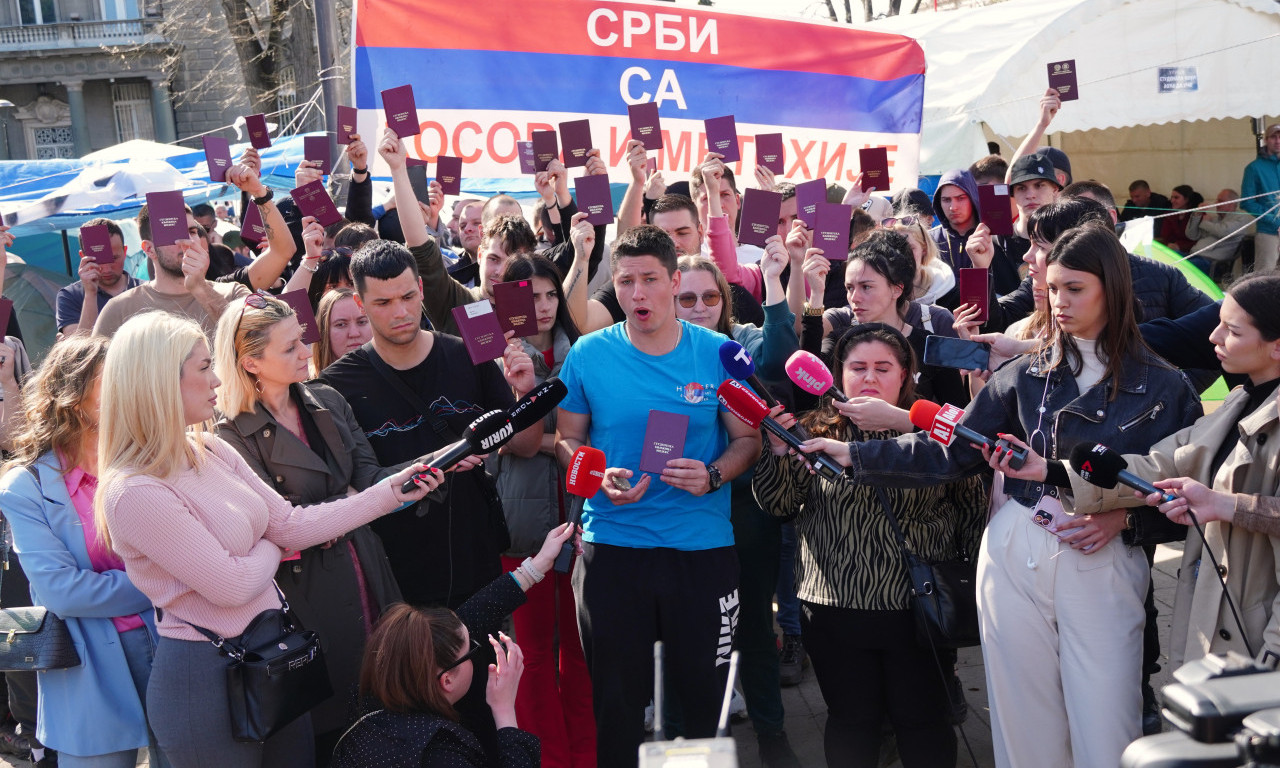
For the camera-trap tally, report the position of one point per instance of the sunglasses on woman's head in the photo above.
(688, 300)
(906, 221)
(257, 300)
(329, 253)
(468, 656)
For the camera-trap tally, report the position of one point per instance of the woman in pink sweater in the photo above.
(201, 535)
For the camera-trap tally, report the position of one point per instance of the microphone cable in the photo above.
(1217, 569)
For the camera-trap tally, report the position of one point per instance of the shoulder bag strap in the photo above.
(225, 646)
(411, 397)
(893, 520)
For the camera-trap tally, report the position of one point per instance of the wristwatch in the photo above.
(713, 475)
(812, 311)
(1129, 520)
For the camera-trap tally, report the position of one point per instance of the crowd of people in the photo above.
(181, 461)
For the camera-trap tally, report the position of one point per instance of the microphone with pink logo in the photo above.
(807, 372)
(746, 405)
(942, 422)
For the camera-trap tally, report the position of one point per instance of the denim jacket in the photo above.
(1155, 400)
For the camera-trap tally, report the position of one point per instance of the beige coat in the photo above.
(1202, 621)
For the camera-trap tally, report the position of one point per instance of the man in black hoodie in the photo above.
(956, 205)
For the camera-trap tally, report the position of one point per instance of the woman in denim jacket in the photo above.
(1060, 597)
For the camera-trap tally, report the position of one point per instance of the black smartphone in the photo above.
(949, 352)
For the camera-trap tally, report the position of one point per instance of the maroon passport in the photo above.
(306, 316)
(524, 149)
(758, 218)
(974, 282)
(514, 304)
(480, 330)
(832, 232)
(874, 164)
(313, 199)
(544, 149)
(449, 174)
(347, 123)
(6, 310)
(722, 137)
(252, 229)
(594, 197)
(993, 208)
(663, 440)
(167, 211)
(575, 138)
(259, 138)
(1062, 78)
(95, 242)
(646, 126)
(808, 195)
(316, 149)
(402, 112)
(217, 153)
(770, 152)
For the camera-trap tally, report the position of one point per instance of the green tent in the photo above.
(34, 291)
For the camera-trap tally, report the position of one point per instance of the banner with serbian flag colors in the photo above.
(487, 75)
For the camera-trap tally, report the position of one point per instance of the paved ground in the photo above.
(806, 713)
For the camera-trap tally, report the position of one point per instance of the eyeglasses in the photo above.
(709, 298)
(329, 253)
(468, 656)
(257, 300)
(906, 221)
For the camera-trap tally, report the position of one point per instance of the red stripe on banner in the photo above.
(633, 30)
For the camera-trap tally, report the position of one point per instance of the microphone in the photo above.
(540, 401)
(487, 433)
(736, 360)
(942, 422)
(585, 475)
(1099, 465)
(746, 405)
(807, 372)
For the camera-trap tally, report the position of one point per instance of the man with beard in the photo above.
(79, 303)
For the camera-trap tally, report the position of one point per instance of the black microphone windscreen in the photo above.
(540, 401)
(489, 432)
(1097, 464)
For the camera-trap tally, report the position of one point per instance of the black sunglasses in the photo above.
(468, 656)
(329, 253)
(257, 300)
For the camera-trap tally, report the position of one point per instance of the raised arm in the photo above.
(1050, 103)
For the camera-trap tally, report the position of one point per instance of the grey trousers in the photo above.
(187, 709)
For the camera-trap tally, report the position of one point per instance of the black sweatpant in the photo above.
(868, 666)
(629, 598)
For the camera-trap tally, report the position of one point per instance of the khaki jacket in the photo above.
(1202, 621)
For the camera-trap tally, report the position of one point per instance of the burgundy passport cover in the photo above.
(316, 148)
(874, 164)
(217, 153)
(449, 174)
(168, 217)
(6, 309)
(663, 440)
(993, 208)
(544, 149)
(480, 330)
(974, 289)
(832, 232)
(594, 197)
(575, 138)
(514, 304)
(770, 152)
(525, 151)
(646, 127)
(1062, 78)
(252, 229)
(722, 137)
(346, 123)
(306, 317)
(313, 199)
(808, 195)
(257, 127)
(758, 219)
(95, 242)
(402, 113)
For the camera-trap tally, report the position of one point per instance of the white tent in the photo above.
(987, 69)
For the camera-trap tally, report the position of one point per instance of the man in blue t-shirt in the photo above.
(658, 559)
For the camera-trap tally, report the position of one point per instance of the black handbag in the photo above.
(276, 675)
(944, 597)
(32, 638)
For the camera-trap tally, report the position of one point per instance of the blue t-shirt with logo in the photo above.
(617, 385)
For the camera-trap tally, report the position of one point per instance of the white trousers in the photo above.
(1266, 252)
(1062, 645)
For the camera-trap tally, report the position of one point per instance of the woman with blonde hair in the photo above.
(343, 327)
(93, 714)
(934, 279)
(201, 534)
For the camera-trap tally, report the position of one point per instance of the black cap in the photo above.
(1035, 166)
(1059, 160)
(915, 201)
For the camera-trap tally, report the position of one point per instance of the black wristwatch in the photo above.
(713, 475)
(265, 198)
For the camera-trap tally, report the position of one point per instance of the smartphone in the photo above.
(949, 352)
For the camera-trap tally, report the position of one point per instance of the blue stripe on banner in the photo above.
(541, 82)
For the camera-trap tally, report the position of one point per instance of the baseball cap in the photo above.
(1058, 158)
(1034, 166)
(1272, 129)
(913, 201)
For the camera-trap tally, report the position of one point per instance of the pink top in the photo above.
(725, 254)
(204, 545)
(81, 486)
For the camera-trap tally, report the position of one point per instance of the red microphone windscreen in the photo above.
(586, 472)
(807, 372)
(922, 413)
(742, 402)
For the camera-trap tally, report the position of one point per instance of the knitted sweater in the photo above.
(204, 544)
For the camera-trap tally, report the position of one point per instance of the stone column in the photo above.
(79, 117)
(162, 112)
